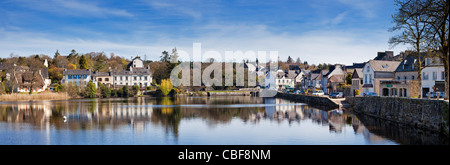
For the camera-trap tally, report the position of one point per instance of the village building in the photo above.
(357, 82)
(136, 74)
(104, 78)
(79, 77)
(329, 84)
(433, 76)
(375, 71)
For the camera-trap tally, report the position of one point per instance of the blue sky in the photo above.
(319, 31)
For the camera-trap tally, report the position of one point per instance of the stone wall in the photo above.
(320, 102)
(420, 113)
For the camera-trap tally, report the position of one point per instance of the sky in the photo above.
(319, 31)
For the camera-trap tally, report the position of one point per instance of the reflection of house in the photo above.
(433, 76)
(375, 71)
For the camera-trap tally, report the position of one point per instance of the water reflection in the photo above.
(168, 113)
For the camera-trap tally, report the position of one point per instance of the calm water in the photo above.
(195, 120)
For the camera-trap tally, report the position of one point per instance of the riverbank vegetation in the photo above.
(40, 96)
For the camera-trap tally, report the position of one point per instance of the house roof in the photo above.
(383, 66)
(291, 74)
(294, 67)
(316, 76)
(135, 71)
(77, 72)
(95, 74)
(357, 73)
(337, 78)
(407, 64)
(25, 78)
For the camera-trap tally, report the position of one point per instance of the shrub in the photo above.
(91, 90)
(125, 91)
(356, 92)
(148, 88)
(105, 91)
(165, 87)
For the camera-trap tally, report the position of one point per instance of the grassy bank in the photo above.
(40, 96)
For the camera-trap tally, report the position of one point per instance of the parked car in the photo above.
(337, 95)
(370, 94)
(318, 93)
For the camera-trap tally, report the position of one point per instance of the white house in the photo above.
(80, 77)
(375, 71)
(135, 74)
(433, 75)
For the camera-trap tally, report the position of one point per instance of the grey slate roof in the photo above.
(407, 64)
(77, 72)
(136, 71)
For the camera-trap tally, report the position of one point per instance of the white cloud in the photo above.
(73, 8)
(320, 46)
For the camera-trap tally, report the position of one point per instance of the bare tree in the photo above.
(412, 21)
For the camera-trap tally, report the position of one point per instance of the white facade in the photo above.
(430, 75)
(368, 78)
(432, 72)
(141, 80)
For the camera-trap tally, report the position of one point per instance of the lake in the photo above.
(221, 120)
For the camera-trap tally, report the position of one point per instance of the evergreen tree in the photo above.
(83, 62)
(57, 54)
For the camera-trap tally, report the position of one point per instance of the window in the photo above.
(146, 76)
(412, 77)
(99, 79)
(434, 75)
(425, 75)
(126, 78)
(135, 84)
(368, 69)
(361, 82)
(115, 78)
(370, 78)
(365, 78)
(398, 77)
(442, 76)
(106, 79)
(406, 78)
(145, 84)
(135, 78)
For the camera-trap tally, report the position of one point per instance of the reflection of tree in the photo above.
(167, 116)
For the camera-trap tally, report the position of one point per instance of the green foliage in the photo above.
(91, 90)
(135, 90)
(165, 87)
(348, 79)
(83, 62)
(105, 91)
(125, 91)
(148, 88)
(356, 92)
(58, 88)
